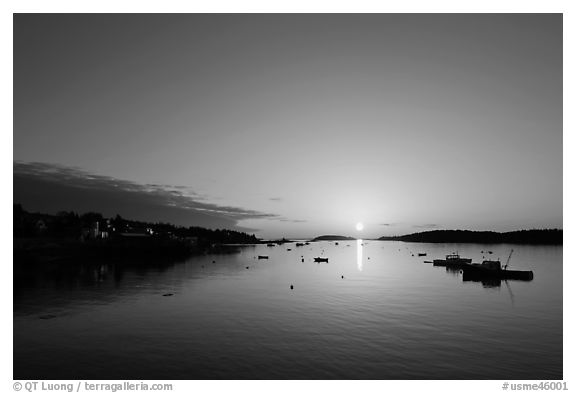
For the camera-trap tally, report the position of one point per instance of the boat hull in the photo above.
(450, 263)
(471, 271)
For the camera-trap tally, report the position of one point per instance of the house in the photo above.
(40, 226)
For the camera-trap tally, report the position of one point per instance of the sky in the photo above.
(292, 125)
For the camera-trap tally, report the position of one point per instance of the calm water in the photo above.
(390, 317)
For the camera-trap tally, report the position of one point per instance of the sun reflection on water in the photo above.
(359, 253)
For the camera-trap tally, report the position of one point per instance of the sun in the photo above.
(359, 226)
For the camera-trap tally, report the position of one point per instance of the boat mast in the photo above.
(508, 261)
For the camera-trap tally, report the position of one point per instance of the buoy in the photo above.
(291, 286)
(213, 261)
(342, 276)
(247, 267)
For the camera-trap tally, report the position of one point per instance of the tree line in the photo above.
(69, 224)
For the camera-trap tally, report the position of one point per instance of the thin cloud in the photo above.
(426, 226)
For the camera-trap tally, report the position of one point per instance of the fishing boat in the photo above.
(493, 269)
(320, 259)
(452, 260)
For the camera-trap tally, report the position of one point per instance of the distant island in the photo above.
(332, 237)
(532, 236)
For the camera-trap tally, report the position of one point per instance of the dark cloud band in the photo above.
(55, 187)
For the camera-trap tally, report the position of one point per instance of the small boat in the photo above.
(493, 269)
(320, 259)
(299, 244)
(421, 254)
(262, 256)
(452, 260)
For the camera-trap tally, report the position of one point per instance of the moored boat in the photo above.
(493, 269)
(452, 260)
